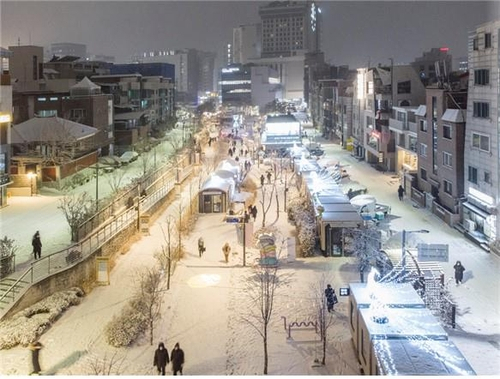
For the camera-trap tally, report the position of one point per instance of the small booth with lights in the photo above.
(216, 194)
(333, 210)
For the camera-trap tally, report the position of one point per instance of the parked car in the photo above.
(316, 152)
(129, 156)
(110, 160)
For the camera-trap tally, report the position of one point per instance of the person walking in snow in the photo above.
(177, 356)
(36, 242)
(254, 213)
(161, 358)
(262, 180)
(226, 249)
(459, 272)
(401, 192)
(331, 297)
(269, 177)
(201, 246)
(35, 357)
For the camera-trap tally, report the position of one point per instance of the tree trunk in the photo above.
(266, 359)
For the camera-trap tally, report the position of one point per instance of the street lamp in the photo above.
(31, 176)
(403, 244)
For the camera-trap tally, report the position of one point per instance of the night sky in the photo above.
(355, 32)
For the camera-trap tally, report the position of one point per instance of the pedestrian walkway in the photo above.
(205, 307)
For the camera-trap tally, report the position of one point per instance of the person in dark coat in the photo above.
(36, 242)
(201, 246)
(161, 358)
(401, 192)
(331, 297)
(269, 177)
(35, 351)
(262, 180)
(459, 272)
(177, 356)
(254, 213)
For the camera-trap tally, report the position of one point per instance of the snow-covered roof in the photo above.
(393, 295)
(402, 323)
(342, 219)
(421, 111)
(229, 165)
(50, 129)
(420, 358)
(85, 83)
(215, 182)
(454, 115)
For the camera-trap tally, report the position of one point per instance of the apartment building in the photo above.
(482, 155)
(247, 43)
(439, 184)
(379, 90)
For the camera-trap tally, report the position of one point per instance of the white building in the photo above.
(246, 43)
(481, 159)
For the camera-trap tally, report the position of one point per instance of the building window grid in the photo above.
(472, 177)
(481, 77)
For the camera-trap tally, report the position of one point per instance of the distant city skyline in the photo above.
(355, 33)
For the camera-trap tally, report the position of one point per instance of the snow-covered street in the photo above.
(203, 309)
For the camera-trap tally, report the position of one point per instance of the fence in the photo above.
(150, 183)
(65, 258)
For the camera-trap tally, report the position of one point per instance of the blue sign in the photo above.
(233, 220)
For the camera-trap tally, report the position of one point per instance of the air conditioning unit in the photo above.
(470, 225)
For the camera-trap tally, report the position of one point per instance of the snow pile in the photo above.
(26, 326)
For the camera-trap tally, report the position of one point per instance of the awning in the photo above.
(476, 210)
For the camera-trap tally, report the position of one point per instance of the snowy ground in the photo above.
(203, 309)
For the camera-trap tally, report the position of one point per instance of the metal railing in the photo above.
(56, 262)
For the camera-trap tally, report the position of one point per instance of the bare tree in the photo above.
(149, 297)
(77, 209)
(164, 257)
(145, 160)
(115, 179)
(266, 203)
(324, 319)
(261, 291)
(104, 366)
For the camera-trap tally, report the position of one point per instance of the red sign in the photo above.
(444, 49)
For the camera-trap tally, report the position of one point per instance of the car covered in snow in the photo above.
(129, 156)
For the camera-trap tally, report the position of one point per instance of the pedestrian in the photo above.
(459, 272)
(226, 249)
(241, 152)
(201, 246)
(269, 177)
(246, 152)
(234, 149)
(161, 358)
(230, 152)
(401, 192)
(254, 213)
(246, 217)
(331, 297)
(177, 357)
(262, 180)
(35, 357)
(250, 209)
(36, 242)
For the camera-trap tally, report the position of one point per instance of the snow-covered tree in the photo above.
(164, 257)
(115, 179)
(77, 209)
(266, 200)
(8, 250)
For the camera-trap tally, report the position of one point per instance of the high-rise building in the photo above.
(290, 28)
(189, 65)
(481, 159)
(247, 42)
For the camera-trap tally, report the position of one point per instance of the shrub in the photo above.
(124, 329)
